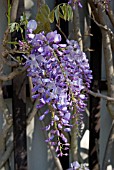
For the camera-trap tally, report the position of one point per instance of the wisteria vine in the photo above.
(61, 77)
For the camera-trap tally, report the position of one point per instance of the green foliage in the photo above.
(14, 27)
(51, 16)
(63, 11)
(18, 26)
(43, 20)
(45, 17)
(23, 20)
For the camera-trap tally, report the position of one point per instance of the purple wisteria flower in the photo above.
(77, 166)
(61, 77)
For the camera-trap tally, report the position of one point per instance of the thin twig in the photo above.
(100, 95)
(61, 31)
(105, 27)
(10, 63)
(6, 155)
(110, 14)
(13, 58)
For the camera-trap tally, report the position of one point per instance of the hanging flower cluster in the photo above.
(60, 75)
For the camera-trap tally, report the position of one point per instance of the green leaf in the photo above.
(45, 10)
(64, 11)
(69, 13)
(13, 26)
(57, 13)
(17, 26)
(61, 16)
(51, 16)
(23, 20)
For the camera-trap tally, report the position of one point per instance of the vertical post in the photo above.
(94, 125)
(19, 122)
(19, 110)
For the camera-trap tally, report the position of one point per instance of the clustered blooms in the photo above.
(60, 75)
(77, 166)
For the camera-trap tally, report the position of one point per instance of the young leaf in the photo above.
(61, 16)
(57, 13)
(45, 10)
(51, 16)
(69, 13)
(64, 11)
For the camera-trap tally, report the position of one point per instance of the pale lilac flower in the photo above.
(32, 25)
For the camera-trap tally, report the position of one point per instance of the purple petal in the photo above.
(41, 117)
(67, 129)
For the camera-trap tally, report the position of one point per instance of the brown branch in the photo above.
(13, 74)
(7, 120)
(93, 10)
(100, 95)
(56, 159)
(5, 37)
(3, 134)
(107, 55)
(110, 14)
(7, 116)
(78, 37)
(6, 155)
(109, 74)
(76, 25)
(61, 31)
(10, 63)
(105, 27)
